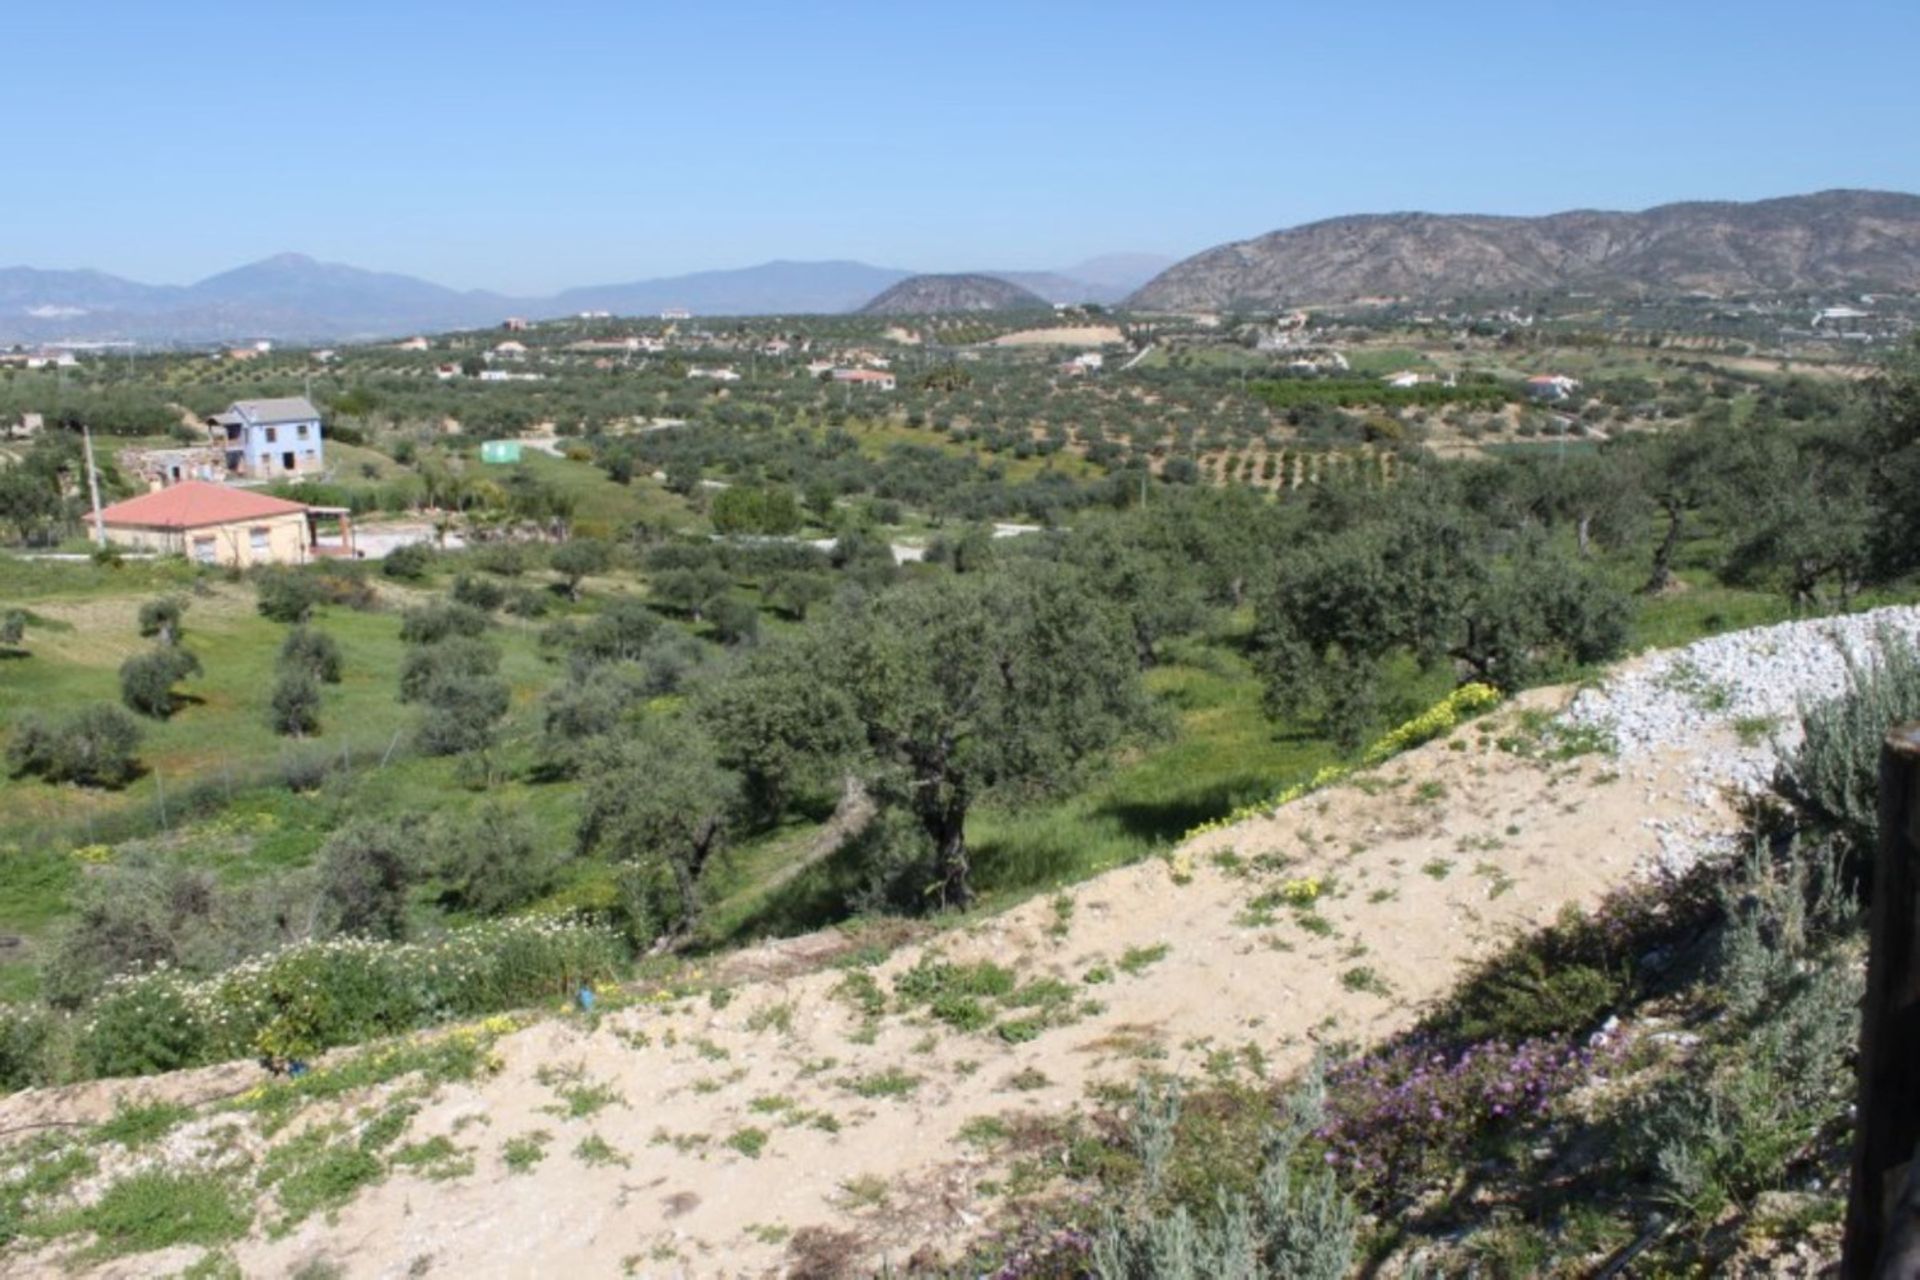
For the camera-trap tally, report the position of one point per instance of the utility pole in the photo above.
(93, 487)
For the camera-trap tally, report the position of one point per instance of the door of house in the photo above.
(286, 461)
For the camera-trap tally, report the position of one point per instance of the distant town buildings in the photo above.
(1551, 386)
(514, 324)
(873, 378)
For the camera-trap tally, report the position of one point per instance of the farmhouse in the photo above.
(865, 378)
(265, 438)
(1551, 386)
(218, 524)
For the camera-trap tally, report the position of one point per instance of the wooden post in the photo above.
(1883, 1205)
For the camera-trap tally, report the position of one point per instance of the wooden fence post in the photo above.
(1883, 1203)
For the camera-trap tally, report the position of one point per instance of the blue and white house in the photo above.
(263, 439)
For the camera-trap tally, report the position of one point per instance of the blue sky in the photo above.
(535, 145)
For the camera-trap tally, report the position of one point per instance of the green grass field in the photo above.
(214, 792)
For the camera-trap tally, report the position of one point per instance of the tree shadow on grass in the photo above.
(1171, 818)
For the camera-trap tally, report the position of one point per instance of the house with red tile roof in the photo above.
(218, 524)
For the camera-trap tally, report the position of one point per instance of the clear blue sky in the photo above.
(540, 144)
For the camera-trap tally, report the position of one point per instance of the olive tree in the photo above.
(161, 619)
(147, 680)
(969, 685)
(659, 804)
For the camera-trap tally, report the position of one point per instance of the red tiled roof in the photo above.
(194, 504)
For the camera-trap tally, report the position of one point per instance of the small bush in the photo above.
(294, 707)
(314, 651)
(314, 995)
(408, 563)
(147, 680)
(439, 620)
(478, 593)
(161, 618)
(1835, 775)
(287, 595)
(95, 747)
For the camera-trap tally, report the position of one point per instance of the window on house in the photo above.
(257, 538)
(203, 550)
(273, 434)
(301, 431)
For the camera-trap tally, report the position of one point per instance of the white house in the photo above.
(509, 350)
(865, 378)
(1551, 386)
(714, 374)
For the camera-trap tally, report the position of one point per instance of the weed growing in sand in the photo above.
(136, 1125)
(522, 1153)
(984, 1131)
(1437, 868)
(596, 1151)
(1027, 1079)
(749, 1142)
(1314, 923)
(1062, 915)
(436, 1159)
(1498, 881)
(891, 1083)
(1137, 960)
(772, 1017)
(1362, 978)
(867, 1191)
(860, 990)
(157, 1210)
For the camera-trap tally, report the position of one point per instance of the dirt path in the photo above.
(746, 1121)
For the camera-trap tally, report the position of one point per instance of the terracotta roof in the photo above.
(194, 504)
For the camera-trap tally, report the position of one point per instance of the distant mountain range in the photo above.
(1833, 240)
(291, 297)
(944, 294)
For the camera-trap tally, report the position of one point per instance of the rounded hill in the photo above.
(938, 294)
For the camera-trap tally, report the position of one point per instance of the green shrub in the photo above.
(1835, 774)
(478, 593)
(287, 595)
(161, 618)
(147, 680)
(156, 1210)
(1295, 1225)
(409, 563)
(312, 996)
(26, 1035)
(439, 620)
(95, 747)
(313, 651)
(293, 708)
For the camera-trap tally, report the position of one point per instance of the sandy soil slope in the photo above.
(1424, 864)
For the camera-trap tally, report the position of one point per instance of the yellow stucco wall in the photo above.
(224, 544)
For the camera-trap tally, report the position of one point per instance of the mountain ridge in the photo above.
(1838, 239)
(295, 297)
